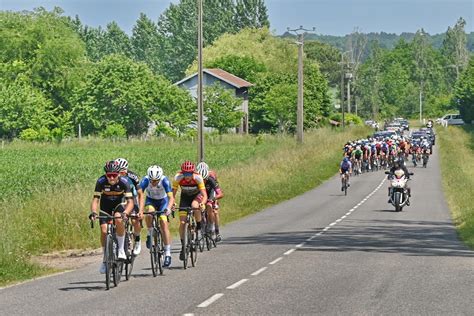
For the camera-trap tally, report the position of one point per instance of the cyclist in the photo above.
(193, 194)
(345, 168)
(357, 154)
(159, 197)
(110, 190)
(214, 193)
(137, 193)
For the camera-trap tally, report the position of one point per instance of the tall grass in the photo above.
(46, 202)
(457, 168)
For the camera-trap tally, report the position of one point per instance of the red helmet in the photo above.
(187, 166)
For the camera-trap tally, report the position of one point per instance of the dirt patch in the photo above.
(69, 259)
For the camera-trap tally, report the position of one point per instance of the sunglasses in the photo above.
(188, 174)
(112, 175)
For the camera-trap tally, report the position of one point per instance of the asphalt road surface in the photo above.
(319, 253)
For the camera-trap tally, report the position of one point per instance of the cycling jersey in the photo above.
(158, 192)
(212, 187)
(188, 187)
(358, 153)
(345, 166)
(134, 182)
(112, 195)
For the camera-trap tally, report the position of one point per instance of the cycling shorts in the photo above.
(120, 208)
(187, 200)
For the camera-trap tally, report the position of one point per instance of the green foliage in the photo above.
(328, 59)
(464, 93)
(145, 43)
(245, 67)
(280, 107)
(251, 13)
(116, 41)
(221, 108)
(114, 130)
(349, 119)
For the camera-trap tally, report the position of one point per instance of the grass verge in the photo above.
(53, 215)
(457, 161)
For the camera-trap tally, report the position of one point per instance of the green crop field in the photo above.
(47, 188)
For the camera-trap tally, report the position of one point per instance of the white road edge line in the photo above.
(259, 271)
(291, 251)
(276, 260)
(189, 314)
(237, 284)
(301, 245)
(211, 300)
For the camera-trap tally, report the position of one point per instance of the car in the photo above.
(405, 125)
(451, 119)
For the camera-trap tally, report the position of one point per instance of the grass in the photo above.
(457, 162)
(46, 208)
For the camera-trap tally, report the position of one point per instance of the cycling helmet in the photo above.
(345, 159)
(111, 166)
(123, 163)
(202, 165)
(154, 172)
(187, 166)
(204, 173)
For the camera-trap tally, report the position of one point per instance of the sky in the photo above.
(329, 17)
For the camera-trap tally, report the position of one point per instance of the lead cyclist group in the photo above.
(121, 193)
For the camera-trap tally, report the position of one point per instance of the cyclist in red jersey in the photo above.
(193, 194)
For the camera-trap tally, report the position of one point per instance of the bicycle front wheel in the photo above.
(154, 253)
(193, 246)
(109, 259)
(186, 245)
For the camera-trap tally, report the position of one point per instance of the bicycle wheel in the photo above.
(344, 181)
(193, 246)
(117, 265)
(129, 245)
(109, 255)
(159, 252)
(186, 245)
(154, 253)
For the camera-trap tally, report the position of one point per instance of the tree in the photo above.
(245, 67)
(177, 27)
(221, 108)
(464, 93)
(252, 14)
(455, 48)
(117, 90)
(116, 41)
(280, 107)
(328, 59)
(145, 43)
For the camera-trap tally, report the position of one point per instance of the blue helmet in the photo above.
(345, 159)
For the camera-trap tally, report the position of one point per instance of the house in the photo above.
(228, 81)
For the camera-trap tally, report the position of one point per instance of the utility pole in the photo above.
(344, 75)
(300, 108)
(200, 87)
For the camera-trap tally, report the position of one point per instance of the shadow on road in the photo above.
(412, 238)
(86, 287)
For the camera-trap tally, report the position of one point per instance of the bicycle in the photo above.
(157, 249)
(113, 266)
(206, 234)
(345, 180)
(129, 245)
(190, 243)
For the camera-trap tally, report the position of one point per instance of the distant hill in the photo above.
(386, 40)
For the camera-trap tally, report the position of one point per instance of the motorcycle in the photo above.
(399, 196)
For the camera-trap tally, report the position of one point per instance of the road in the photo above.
(319, 253)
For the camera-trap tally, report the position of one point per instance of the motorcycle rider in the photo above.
(398, 164)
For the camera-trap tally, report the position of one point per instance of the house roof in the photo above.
(222, 75)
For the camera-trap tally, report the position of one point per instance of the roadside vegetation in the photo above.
(457, 159)
(50, 210)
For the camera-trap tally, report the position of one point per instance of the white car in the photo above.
(451, 119)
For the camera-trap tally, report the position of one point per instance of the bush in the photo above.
(29, 134)
(114, 130)
(350, 119)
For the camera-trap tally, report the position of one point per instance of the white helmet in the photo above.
(155, 172)
(201, 166)
(204, 173)
(123, 163)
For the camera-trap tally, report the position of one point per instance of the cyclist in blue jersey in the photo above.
(137, 193)
(158, 197)
(345, 168)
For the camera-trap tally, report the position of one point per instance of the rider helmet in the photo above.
(188, 166)
(202, 165)
(111, 167)
(155, 172)
(123, 163)
(204, 173)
